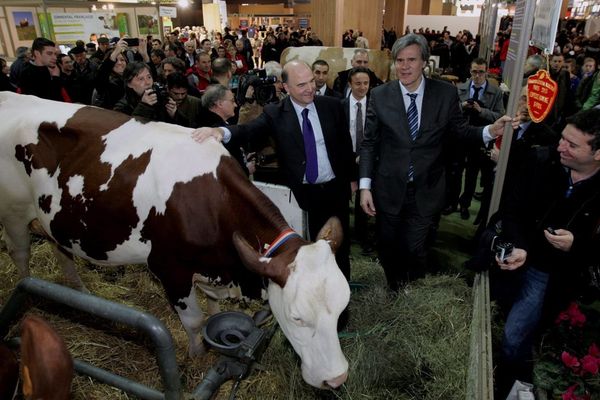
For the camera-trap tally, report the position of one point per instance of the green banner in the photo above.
(46, 25)
(122, 23)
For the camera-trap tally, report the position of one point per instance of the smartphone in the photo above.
(551, 230)
(132, 42)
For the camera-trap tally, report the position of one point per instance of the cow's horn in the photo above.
(332, 233)
(252, 260)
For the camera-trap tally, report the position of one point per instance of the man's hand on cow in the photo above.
(171, 107)
(561, 240)
(366, 202)
(515, 260)
(149, 97)
(497, 128)
(201, 134)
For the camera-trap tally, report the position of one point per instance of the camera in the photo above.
(162, 94)
(264, 87)
(502, 249)
(132, 42)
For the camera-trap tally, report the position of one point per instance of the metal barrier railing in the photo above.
(480, 382)
(86, 303)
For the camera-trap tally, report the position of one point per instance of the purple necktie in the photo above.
(310, 147)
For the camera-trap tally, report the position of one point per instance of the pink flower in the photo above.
(569, 394)
(570, 361)
(594, 351)
(590, 364)
(577, 318)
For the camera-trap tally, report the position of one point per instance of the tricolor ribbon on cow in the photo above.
(269, 249)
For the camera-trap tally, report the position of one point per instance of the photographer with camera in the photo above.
(552, 217)
(189, 112)
(144, 97)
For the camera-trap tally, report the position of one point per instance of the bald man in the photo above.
(320, 182)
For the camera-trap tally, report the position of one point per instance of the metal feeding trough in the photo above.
(241, 342)
(226, 331)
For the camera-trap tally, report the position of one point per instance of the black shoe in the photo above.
(464, 213)
(478, 195)
(449, 210)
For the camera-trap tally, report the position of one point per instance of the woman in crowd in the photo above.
(110, 87)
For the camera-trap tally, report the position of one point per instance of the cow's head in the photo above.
(307, 296)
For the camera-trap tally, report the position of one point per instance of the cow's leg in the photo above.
(17, 239)
(192, 319)
(67, 263)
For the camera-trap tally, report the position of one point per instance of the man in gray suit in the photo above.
(401, 158)
(482, 103)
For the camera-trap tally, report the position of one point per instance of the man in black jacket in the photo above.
(553, 220)
(41, 76)
(313, 148)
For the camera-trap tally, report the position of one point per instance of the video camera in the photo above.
(264, 87)
(162, 94)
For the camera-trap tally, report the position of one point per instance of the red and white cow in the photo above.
(116, 190)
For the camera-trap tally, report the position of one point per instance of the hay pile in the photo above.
(411, 346)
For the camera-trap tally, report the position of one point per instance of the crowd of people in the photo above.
(399, 148)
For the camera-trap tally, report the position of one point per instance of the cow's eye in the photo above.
(297, 320)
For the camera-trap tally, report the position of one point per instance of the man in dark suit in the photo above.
(359, 59)
(355, 107)
(320, 70)
(313, 148)
(401, 158)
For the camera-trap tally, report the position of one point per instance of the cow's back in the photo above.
(93, 176)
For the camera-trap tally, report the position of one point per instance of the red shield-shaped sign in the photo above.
(541, 93)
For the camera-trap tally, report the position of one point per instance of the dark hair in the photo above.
(588, 122)
(358, 70)
(319, 62)
(220, 66)
(158, 53)
(133, 69)
(39, 44)
(205, 40)
(61, 56)
(409, 40)
(177, 63)
(177, 80)
(479, 61)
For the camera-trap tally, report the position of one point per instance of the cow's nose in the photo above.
(337, 381)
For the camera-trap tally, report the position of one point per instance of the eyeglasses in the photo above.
(477, 72)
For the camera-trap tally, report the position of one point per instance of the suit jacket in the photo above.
(279, 121)
(387, 148)
(492, 99)
(341, 82)
(331, 93)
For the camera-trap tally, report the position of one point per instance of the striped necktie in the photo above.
(413, 127)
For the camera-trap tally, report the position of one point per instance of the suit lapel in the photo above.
(428, 109)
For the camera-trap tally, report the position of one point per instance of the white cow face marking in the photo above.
(307, 309)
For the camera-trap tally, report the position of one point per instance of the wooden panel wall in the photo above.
(326, 21)
(395, 10)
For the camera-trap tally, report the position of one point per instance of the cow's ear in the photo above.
(252, 259)
(332, 232)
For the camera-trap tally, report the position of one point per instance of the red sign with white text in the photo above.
(541, 93)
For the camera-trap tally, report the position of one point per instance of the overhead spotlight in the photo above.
(104, 7)
(183, 3)
(111, 7)
(94, 7)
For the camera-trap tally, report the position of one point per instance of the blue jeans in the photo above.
(524, 316)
